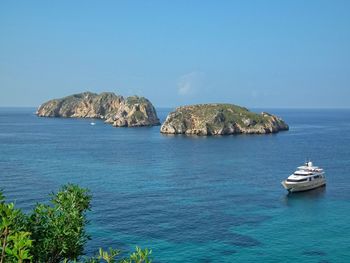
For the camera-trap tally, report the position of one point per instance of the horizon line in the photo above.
(255, 107)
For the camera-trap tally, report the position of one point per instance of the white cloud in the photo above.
(190, 83)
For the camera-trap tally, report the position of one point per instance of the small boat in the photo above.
(305, 178)
(92, 123)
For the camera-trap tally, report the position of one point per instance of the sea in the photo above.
(189, 198)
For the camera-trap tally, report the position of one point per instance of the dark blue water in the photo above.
(190, 199)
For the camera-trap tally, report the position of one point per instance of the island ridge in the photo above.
(132, 111)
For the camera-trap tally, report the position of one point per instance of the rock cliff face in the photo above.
(220, 119)
(130, 112)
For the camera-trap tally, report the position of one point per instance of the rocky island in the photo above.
(220, 119)
(132, 111)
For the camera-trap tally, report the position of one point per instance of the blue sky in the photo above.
(253, 53)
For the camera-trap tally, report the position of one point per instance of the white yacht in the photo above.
(305, 178)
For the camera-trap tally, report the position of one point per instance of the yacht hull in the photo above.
(304, 186)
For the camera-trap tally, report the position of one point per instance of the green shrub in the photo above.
(54, 233)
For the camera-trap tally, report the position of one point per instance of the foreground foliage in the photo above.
(54, 233)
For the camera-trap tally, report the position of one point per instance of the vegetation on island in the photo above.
(220, 119)
(54, 232)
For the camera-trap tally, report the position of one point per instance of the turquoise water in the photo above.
(190, 199)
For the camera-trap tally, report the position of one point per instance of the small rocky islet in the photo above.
(220, 119)
(132, 111)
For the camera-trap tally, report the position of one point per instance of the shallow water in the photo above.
(190, 199)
